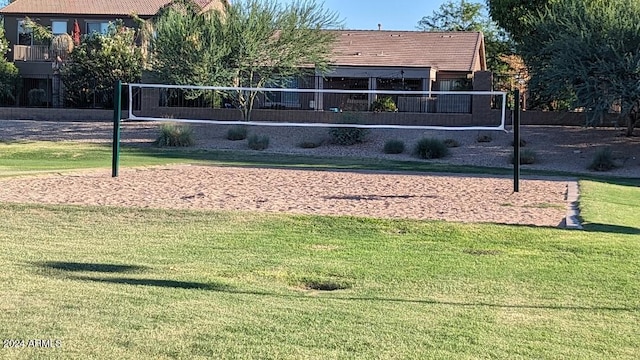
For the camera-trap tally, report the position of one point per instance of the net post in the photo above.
(516, 141)
(117, 115)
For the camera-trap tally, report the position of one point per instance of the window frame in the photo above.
(103, 29)
(23, 31)
(66, 26)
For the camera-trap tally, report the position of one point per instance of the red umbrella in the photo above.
(76, 33)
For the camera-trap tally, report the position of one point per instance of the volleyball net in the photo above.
(362, 108)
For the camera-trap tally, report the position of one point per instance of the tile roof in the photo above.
(452, 51)
(90, 7)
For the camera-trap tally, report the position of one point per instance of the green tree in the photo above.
(42, 35)
(8, 71)
(186, 48)
(509, 14)
(590, 50)
(470, 16)
(253, 43)
(98, 62)
(456, 16)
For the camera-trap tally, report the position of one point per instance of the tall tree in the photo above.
(8, 71)
(471, 16)
(591, 50)
(253, 43)
(509, 14)
(98, 62)
(185, 46)
(4, 44)
(456, 16)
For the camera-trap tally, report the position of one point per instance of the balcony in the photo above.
(38, 53)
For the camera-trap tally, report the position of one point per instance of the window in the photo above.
(25, 35)
(455, 85)
(279, 99)
(99, 26)
(59, 27)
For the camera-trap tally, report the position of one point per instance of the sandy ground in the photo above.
(541, 202)
(380, 195)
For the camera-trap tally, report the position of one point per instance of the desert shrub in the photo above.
(348, 135)
(429, 148)
(37, 97)
(483, 138)
(310, 143)
(384, 103)
(451, 143)
(603, 160)
(523, 143)
(237, 133)
(394, 147)
(527, 157)
(172, 134)
(257, 142)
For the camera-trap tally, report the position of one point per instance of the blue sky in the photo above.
(392, 14)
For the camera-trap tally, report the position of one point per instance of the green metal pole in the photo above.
(516, 141)
(117, 115)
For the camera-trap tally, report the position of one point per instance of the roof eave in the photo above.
(479, 54)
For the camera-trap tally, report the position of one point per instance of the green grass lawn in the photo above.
(113, 283)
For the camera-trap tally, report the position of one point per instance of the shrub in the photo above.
(348, 135)
(482, 138)
(394, 147)
(37, 97)
(603, 160)
(172, 134)
(258, 142)
(428, 148)
(451, 143)
(8, 78)
(527, 157)
(237, 133)
(523, 142)
(310, 143)
(384, 103)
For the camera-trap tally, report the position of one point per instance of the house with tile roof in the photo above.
(361, 60)
(412, 53)
(36, 62)
(404, 60)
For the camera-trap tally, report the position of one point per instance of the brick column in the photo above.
(481, 104)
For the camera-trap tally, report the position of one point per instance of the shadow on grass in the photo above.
(92, 267)
(14, 142)
(310, 162)
(435, 302)
(612, 229)
(506, 306)
(158, 283)
(60, 267)
(218, 287)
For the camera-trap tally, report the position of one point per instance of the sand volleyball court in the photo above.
(451, 197)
